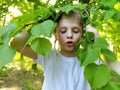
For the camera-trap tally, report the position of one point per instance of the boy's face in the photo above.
(68, 33)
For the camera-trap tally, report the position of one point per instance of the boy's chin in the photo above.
(70, 49)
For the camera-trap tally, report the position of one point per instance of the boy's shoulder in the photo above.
(50, 54)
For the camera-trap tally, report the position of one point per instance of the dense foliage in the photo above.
(38, 20)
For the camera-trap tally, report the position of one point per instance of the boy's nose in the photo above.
(69, 34)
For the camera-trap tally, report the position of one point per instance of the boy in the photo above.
(61, 68)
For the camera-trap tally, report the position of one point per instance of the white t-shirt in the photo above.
(62, 73)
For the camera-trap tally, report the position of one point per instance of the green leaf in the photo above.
(80, 6)
(101, 43)
(45, 13)
(116, 16)
(66, 8)
(109, 14)
(84, 43)
(89, 36)
(6, 54)
(31, 18)
(70, 7)
(6, 32)
(108, 3)
(115, 74)
(89, 73)
(42, 13)
(109, 55)
(97, 75)
(30, 39)
(1, 41)
(46, 28)
(88, 39)
(41, 46)
(110, 86)
(88, 55)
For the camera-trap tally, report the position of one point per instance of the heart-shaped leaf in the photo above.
(6, 54)
(41, 46)
(97, 75)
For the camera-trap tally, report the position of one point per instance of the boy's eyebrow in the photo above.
(80, 27)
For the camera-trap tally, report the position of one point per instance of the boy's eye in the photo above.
(63, 30)
(76, 30)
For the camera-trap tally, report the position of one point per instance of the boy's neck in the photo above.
(68, 53)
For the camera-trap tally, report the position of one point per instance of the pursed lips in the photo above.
(70, 43)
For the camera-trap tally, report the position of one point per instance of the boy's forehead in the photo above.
(68, 20)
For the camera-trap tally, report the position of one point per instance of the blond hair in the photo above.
(72, 14)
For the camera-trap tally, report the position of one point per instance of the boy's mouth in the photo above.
(70, 43)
